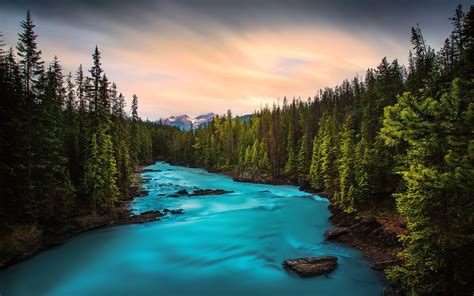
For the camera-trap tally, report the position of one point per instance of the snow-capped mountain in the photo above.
(185, 122)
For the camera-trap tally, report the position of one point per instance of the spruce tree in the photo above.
(303, 158)
(32, 71)
(347, 170)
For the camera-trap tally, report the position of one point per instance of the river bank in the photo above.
(22, 241)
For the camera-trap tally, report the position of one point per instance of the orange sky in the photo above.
(187, 72)
(179, 61)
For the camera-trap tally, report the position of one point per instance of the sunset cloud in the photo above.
(181, 57)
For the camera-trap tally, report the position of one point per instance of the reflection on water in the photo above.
(231, 244)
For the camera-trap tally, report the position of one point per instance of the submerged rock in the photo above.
(311, 266)
(202, 192)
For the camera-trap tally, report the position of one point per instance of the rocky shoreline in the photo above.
(16, 248)
(366, 233)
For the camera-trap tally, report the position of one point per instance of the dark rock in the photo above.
(144, 217)
(174, 212)
(336, 232)
(182, 192)
(311, 266)
(202, 192)
(382, 265)
(150, 171)
(367, 225)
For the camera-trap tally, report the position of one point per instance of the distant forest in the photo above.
(67, 145)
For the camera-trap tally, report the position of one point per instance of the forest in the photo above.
(69, 147)
(68, 144)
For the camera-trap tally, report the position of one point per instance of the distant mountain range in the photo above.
(184, 122)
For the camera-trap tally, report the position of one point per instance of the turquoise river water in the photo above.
(231, 244)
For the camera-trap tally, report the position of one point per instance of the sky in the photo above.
(199, 56)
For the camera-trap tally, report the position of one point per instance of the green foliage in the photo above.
(303, 157)
(67, 147)
(437, 168)
(347, 169)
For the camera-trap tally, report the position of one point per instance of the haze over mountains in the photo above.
(184, 122)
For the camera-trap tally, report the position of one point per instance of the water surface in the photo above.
(231, 244)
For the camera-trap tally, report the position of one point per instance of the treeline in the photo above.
(401, 131)
(67, 143)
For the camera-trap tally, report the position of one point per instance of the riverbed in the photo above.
(229, 244)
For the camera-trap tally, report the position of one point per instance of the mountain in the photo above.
(184, 122)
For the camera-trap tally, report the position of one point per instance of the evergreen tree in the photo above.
(315, 172)
(347, 167)
(303, 158)
(291, 163)
(32, 71)
(439, 178)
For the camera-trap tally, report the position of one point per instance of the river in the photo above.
(230, 244)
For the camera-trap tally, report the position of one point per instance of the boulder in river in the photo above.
(150, 171)
(182, 192)
(311, 266)
(336, 232)
(202, 192)
(179, 193)
(174, 212)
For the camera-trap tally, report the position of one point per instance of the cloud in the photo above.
(199, 56)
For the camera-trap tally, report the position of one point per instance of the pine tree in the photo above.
(13, 143)
(329, 154)
(96, 75)
(53, 188)
(303, 158)
(32, 71)
(93, 181)
(315, 172)
(108, 172)
(134, 133)
(439, 179)
(291, 163)
(30, 56)
(347, 167)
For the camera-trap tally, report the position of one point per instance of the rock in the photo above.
(182, 192)
(174, 212)
(382, 265)
(144, 217)
(367, 225)
(179, 193)
(202, 192)
(336, 232)
(150, 171)
(311, 266)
